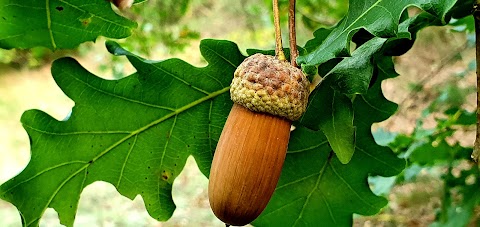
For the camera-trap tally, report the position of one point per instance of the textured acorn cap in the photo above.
(263, 83)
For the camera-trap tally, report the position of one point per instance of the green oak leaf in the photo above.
(427, 154)
(315, 187)
(353, 74)
(339, 128)
(330, 110)
(407, 33)
(134, 133)
(59, 24)
(319, 35)
(380, 18)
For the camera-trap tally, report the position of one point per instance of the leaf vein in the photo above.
(282, 207)
(49, 24)
(76, 133)
(42, 172)
(328, 207)
(125, 162)
(320, 174)
(222, 57)
(374, 107)
(296, 181)
(178, 78)
(121, 97)
(94, 15)
(350, 187)
(168, 140)
(379, 160)
(58, 189)
(210, 127)
(309, 148)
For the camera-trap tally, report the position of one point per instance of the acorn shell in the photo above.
(247, 164)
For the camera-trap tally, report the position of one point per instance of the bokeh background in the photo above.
(439, 69)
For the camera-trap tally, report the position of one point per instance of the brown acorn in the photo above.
(268, 95)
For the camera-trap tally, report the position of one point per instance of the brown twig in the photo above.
(292, 33)
(476, 16)
(278, 32)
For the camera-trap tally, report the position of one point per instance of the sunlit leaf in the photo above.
(59, 24)
(135, 133)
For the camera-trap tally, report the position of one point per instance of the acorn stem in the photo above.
(292, 33)
(278, 33)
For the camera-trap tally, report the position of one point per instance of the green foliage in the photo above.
(315, 13)
(160, 22)
(58, 24)
(136, 135)
(353, 75)
(435, 148)
(466, 24)
(137, 132)
(315, 186)
(379, 18)
(430, 149)
(149, 124)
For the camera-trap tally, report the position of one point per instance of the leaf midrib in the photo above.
(49, 24)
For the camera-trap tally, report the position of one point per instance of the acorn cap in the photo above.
(263, 83)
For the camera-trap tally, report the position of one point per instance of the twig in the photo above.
(476, 16)
(278, 32)
(292, 33)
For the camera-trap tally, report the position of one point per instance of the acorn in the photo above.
(268, 94)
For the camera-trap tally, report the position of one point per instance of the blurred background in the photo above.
(433, 129)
